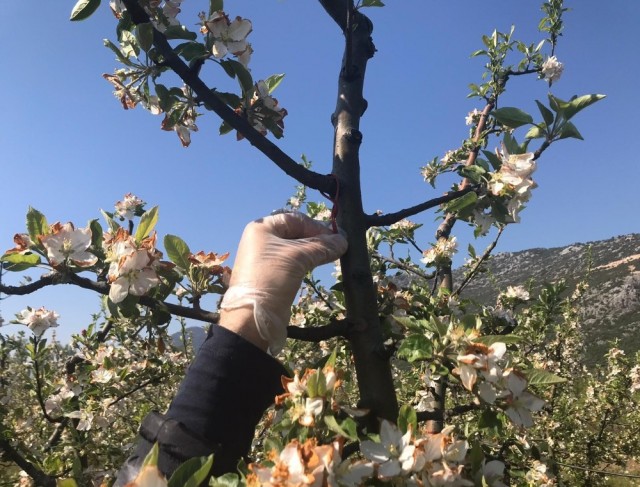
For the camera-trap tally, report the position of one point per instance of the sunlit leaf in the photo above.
(83, 9)
(177, 251)
(147, 223)
(512, 117)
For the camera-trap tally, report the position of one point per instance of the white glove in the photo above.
(273, 257)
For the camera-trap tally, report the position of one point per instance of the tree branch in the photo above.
(337, 328)
(298, 172)
(439, 415)
(390, 218)
(55, 278)
(10, 453)
(485, 256)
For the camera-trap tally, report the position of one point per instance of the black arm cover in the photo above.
(217, 407)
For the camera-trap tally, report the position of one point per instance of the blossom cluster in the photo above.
(442, 251)
(506, 386)
(38, 320)
(133, 265)
(513, 180)
(228, 36)
(552, 69)
(263, 111)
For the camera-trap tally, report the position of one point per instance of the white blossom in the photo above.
(552, 69)
(65, 243)
(38, 320)
(127, 208)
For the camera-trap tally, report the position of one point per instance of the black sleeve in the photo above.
(218, 405)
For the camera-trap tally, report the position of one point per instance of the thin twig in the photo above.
(599, 472)
(404, 267)
(137, 388)
(476, 268)
(337, 328)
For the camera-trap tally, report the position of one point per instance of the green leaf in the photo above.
(121, 57)
(152, 456)
(579, 103)
(225, 128)
(215, 6)
(494, 160)
(333, 425)
(438, 326)
(464, 201)
(407, 417)
(191, 50)
(178, 251)
(230, 99)
(491, 339)
(147, 223)
(372, 3)
(539, 377)
(537, 132)
(144, 35)
(19, 262)
(66, 483)
(512, 117)
(36, 225)
(96, 234)
(511, 144)
(236, 70)
(113, 226)
(180, 32)
(547, 114)
(415, 347)
(410, 323)
(273, 81)
(83, 9)
(226, 480)
(569, 130)
(192, 472)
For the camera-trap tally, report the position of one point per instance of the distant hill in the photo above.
(612, 304)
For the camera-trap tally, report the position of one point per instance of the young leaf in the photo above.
(83, 9)
(569, 130)
(372, 3)
(192, 472)
(152, 456)
(332, 424)
(144, 35)
(494, 160)
(96, 234)
(273, 81)
(226, 480)
(36, 224)
(512, 117)
(491, 339)
(236, 69)
(147, 223)
(113, 226)
(178, 251)
(539, 377)
(579, 103)
(463, 202)
(121, 57)
(180, 32)
(19, 262)
(415, 347)
(536, 132)
(215, 6)
(547, 114)
(407, 417)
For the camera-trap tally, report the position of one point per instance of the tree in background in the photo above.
(412, 384)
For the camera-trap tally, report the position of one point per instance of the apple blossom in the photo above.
(443, 250)
(228, 36)
(472, 117)
(129, 207)
(65, 243)
(135, 276)
(520, 402)
(394, 454)
(552, 69)
(38, 320)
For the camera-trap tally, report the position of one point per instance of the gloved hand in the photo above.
(273, 257)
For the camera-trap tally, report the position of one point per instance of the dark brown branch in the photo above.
(8, 452)
(301, 174)
(55, 278)
(337, 9)
(439, 415)
(391, 218)
(142, 385)
(337, 328)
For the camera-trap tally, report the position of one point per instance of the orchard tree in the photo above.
(412, 383)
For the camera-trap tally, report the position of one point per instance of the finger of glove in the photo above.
(295, 226)
(304, 254)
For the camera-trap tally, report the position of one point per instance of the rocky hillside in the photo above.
(612, 304)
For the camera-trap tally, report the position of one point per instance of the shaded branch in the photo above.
(404, 267)
(298, 172)
(390, 218)
(56, 278)
(338, 10)
(10, 453)
(337, 328)
(142, 385)
(439, 415)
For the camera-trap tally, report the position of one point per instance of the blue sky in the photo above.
(68, 149)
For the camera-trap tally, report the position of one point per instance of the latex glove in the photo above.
(273, 257)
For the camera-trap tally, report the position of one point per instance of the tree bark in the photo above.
(375, 382)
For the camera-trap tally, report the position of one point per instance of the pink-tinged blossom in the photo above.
(85, 419)
(135, 276)
(68, 244)
(38, 320)
(520, 402)
(297, 465)
(129, 206)
(472, 117)
(23, 244)
(149, 476)
(264, 107)
(443, 250)
(552, 69)
(483, 358)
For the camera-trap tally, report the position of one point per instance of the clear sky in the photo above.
(68, 149)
